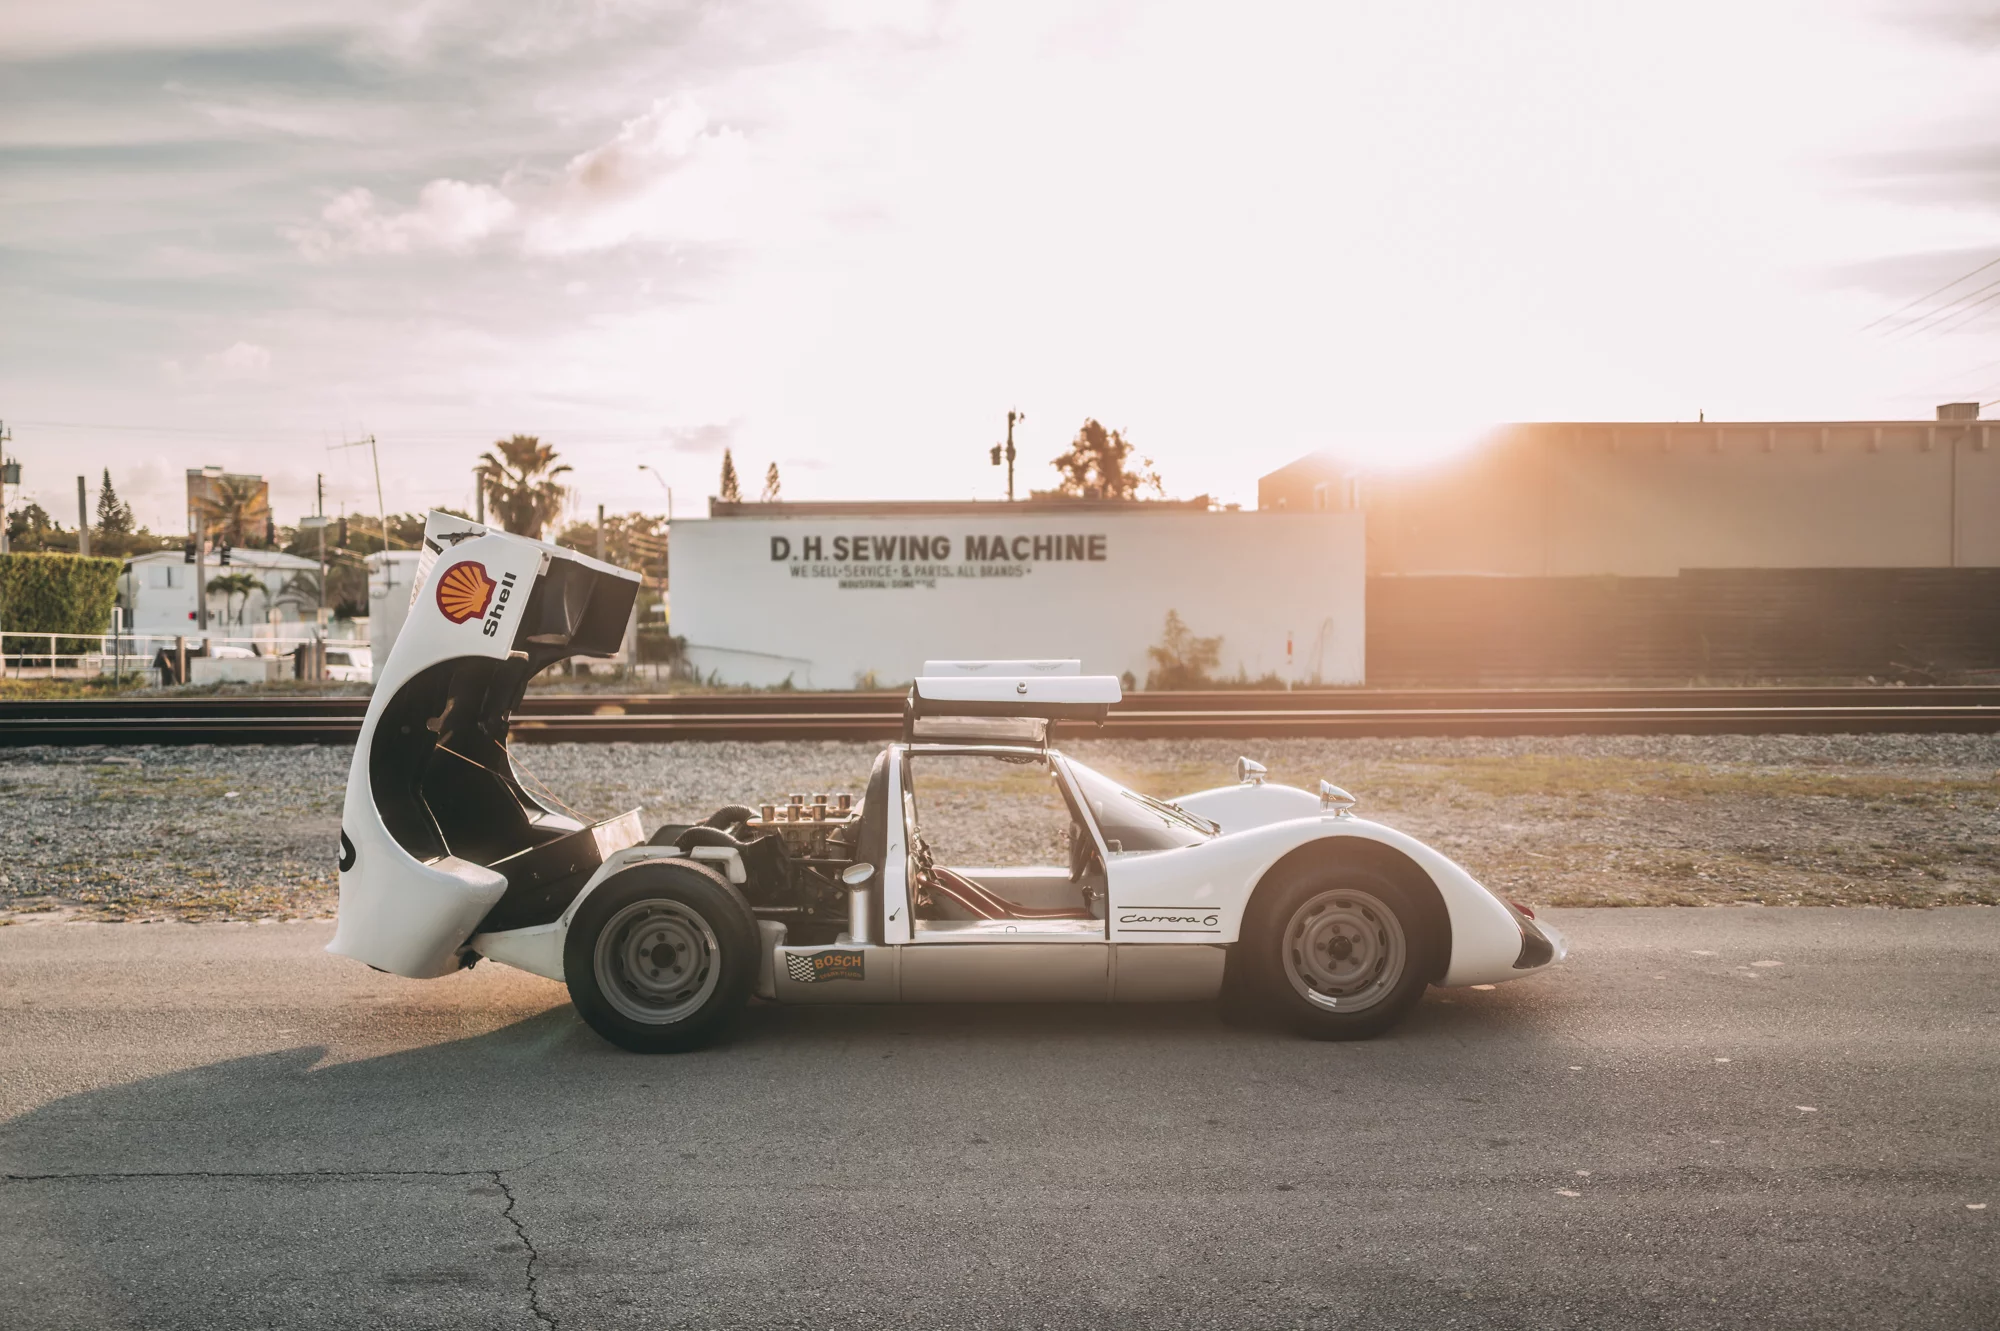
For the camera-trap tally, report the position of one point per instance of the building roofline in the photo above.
(927, 508)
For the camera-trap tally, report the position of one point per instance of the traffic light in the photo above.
(342, 542)
(271, 532)
(187, 553)
(996, 455)
(222, 554)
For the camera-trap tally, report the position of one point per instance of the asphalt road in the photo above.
(1722, 1117)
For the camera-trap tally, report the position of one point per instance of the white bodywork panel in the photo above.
(398, 913)
(1198, 893)
(1023, 689)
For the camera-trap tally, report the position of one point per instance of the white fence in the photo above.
(91, 655)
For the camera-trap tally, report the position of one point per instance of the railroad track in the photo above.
(607, 718)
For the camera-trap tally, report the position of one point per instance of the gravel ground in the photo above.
(1903, 820)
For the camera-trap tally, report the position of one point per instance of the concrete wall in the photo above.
(763, 599)
(1651, 500)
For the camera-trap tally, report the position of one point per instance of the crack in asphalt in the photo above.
(497, 1177)
(534, 1255)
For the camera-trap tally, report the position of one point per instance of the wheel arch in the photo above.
(1356, 852)
(663, 868)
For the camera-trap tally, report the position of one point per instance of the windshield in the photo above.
(1131, 821)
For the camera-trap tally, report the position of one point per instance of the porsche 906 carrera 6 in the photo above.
(1263, 895)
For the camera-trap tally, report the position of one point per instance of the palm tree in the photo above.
(241, 505)
(233, 585)
(519, 477)
(304, 590)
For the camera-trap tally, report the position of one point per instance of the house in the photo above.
(157, 591)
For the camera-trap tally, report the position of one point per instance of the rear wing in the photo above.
(978, 707)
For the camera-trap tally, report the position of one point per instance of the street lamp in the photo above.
(654, 473)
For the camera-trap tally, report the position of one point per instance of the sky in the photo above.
(848, 238)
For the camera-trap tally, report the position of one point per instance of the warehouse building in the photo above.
(1662, 551)
(834, 596)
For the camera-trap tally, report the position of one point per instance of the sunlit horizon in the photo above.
(850, 239)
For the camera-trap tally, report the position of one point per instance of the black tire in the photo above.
(1336, 955)
(694, 924)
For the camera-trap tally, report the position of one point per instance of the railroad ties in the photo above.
(607, 718)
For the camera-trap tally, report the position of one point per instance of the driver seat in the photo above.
(982, 904)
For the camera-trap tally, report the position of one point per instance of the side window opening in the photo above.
(994, 837)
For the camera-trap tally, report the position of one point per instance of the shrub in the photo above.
(50, 593)
(1181, 660)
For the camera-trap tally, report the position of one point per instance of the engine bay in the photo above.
(793, 853)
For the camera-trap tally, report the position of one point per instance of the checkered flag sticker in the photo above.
(834, 963)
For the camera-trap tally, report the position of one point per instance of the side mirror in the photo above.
(854, 875)
(1250, 772)
(1335, 800)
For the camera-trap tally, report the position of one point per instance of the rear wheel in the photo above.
(1339, 956)
(661, 957)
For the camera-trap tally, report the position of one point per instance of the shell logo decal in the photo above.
(464, 591)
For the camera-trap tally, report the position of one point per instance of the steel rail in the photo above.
(873, 716)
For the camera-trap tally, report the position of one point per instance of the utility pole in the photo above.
(10, 474)
(82, 520)
(199, 528)
(319, 511)
(1006, 451)
(600, 533)
(479, 495)
(381, 510)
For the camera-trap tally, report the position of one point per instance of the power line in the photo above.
(1941, 311)
(1921, 299)
(1973, 315)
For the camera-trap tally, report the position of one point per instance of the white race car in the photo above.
(1265, 895)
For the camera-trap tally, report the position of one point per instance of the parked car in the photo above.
(1272, 897)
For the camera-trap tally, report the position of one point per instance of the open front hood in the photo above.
(436, 823)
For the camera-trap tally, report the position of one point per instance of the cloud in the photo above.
(1962, 174)
(241, 360)
(450, 216)
(667, 176)
(1975, 25)
(700, 438)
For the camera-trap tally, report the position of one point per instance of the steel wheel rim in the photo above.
(1344, 950)
(657, 961)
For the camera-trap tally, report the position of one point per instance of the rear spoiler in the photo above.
(1045, 698)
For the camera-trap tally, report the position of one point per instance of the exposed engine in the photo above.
(793, 854)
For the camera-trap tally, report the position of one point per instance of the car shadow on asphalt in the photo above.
(213, 1196)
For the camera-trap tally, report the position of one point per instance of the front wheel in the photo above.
(660, 958)
(1341, 956)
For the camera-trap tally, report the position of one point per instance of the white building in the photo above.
(831, 596)
(392, 574)
(158, 593)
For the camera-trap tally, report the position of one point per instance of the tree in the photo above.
(233, 585)
(239, 513)
(1181, 660)
(519, 476)
(1100, 465)
(304, 590)
(770, 495)
(30, 527)
(115, 528)
(731, 492)
(637, 541)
